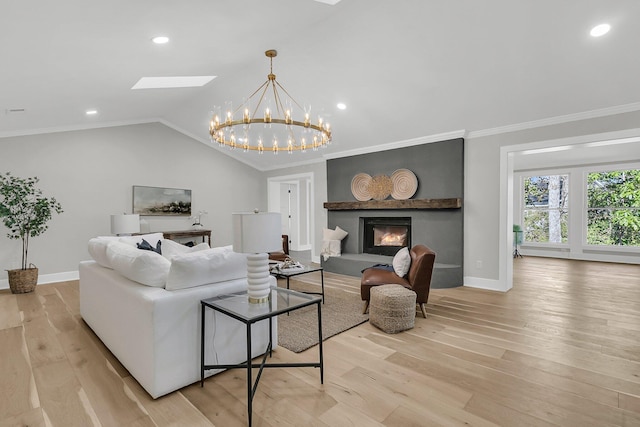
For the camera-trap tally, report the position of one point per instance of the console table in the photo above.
(172, 235)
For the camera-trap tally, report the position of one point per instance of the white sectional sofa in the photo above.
(153, 329)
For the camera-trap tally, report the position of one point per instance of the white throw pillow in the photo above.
(98, 249)
(205, 267)
(337, 234)
(402, 262)
(145, 267)
(171, 248)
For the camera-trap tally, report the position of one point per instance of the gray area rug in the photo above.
(341, 310)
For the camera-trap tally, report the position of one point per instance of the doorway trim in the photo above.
(301, 179)
(507, 153)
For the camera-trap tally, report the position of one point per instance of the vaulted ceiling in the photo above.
(405, 68)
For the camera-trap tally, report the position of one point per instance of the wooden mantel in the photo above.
(454, 203)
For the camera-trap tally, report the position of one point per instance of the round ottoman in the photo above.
(392, 308)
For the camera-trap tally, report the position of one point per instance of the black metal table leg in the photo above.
(320, 343)
(202, 309)
(322, 281)
(249, 376)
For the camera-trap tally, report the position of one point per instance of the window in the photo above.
(546, 211)
(613, 208)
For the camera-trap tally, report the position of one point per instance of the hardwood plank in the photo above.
(61, 396)
(18, 392)
(32, 418)
(114, 403)
(9, 312)
(42, 342)
(170, 410)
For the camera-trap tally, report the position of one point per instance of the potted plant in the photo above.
(25, 212)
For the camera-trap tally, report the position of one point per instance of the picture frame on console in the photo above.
(160, 201)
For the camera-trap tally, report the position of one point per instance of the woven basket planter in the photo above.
(23, 281)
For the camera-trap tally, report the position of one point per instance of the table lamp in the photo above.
(125, 224)
(255, 234)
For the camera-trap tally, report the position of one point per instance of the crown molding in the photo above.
(72, 128)
(585, 115)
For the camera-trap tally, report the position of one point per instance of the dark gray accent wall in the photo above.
(439, 168)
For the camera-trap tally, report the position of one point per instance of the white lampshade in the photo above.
(257, 232)
(125, 224)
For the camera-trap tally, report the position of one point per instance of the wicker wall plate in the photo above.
(405, 184)
(360, 187)
(380, 187)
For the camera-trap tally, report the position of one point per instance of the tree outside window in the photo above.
(546, 210)
(613, 208)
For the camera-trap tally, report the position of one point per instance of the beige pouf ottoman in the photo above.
(392, 308)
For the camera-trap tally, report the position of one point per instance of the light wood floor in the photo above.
(561, 348)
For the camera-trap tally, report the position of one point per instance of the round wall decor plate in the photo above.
(380, 187)
(360, 187)
(405, 184)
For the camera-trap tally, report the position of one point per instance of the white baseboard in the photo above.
(48, 278)
(488, 284)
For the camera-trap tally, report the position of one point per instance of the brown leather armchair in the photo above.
(284, 253)
(418, 279)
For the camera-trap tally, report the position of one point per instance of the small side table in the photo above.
(238, 307)
(289, 273)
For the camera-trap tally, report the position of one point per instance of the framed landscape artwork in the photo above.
(161, 201)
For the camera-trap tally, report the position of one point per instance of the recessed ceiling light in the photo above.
(172, 82)
(600, 30)
(331, 2)
(160, 39)
(91, 112)
(341, 106)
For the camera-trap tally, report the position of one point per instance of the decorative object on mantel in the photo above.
(380, 187)
(360, 187)
(25, 212)
(402, 185)
(277, 124)
(405, 184)
(256, 234)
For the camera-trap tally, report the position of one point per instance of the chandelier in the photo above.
(276, 129)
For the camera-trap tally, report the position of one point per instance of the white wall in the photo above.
(91, 173)
(485, 235)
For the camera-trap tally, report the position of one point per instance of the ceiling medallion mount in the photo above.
(279, 130)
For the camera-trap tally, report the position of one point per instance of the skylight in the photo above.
(600, 30)
(172, 82)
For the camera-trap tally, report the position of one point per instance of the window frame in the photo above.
(587, 247)
(524, 174)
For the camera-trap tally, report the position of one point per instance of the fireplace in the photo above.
(385, 235)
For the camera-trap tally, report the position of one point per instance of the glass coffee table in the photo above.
(237, 306)
(287, 273)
